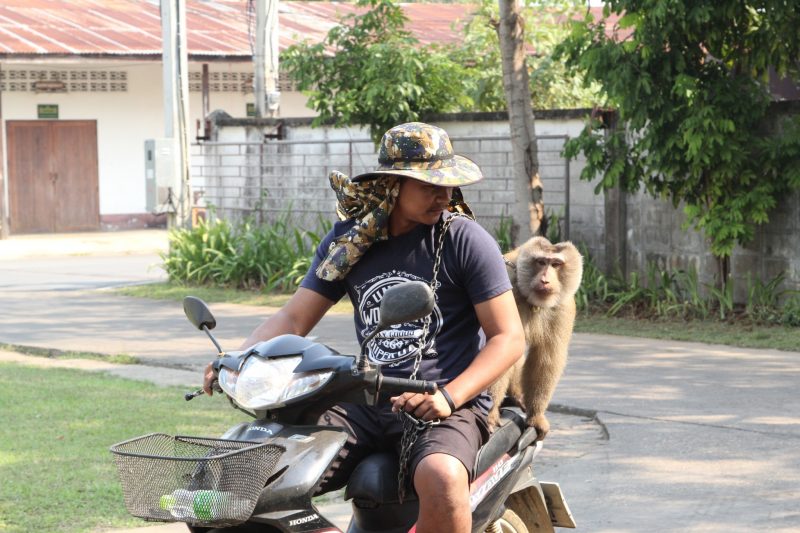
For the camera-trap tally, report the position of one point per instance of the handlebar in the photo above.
(399, 385)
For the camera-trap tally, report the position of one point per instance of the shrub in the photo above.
(245, 255)
(679, 294)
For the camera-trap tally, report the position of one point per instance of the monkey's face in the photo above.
(544, 283)
(539, 272)
(547, 274)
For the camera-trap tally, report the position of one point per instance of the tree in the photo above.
(551, 86)
(369, 70)
(509, 66)
(689, 82)
(525, 152)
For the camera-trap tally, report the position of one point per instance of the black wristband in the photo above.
(448, 399)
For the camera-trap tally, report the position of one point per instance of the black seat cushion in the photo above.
(505, 436)
(375, 480)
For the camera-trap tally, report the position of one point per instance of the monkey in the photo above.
(544, 279)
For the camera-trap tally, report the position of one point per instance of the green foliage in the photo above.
(707, 331)
(689, 84)
(594, 290)
(245, 255)
(764, 301)
(546, 26)
(371, 71)
(679, 295)
(554, 225)
(503, 233)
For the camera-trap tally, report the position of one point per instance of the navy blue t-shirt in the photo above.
(472, 271)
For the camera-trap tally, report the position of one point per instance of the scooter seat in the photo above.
(505, 436)
(373, 482)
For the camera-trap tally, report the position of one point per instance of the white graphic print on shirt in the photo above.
(399, 342)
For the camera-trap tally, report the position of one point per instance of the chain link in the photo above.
(413, 426)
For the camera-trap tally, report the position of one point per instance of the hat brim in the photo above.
(463, 172)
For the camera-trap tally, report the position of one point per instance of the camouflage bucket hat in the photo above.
(423, 152)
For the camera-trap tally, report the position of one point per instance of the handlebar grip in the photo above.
(401, 385)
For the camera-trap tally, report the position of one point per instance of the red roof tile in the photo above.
(216, 27)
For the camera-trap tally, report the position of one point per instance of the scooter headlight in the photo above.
(269, 383)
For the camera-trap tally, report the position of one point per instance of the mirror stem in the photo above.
(210, 336)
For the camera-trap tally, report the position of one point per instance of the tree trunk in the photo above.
(527, 183)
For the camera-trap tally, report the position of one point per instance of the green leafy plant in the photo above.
(594, 290)
(370, 70)
(692, 302)
(790, 315)
(551, 86)
(722, 299)
(664, 294)
(764, 301)
(689, 85)
(244, 255)
(554, 225)
(503, 233)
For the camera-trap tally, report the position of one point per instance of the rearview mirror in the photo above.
(405, 302)
(198, 313)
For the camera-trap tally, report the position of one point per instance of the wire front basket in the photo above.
(200, 481)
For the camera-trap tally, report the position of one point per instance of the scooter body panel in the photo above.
(286, 500)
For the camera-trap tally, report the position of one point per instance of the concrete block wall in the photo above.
(775, 249)
(655, 235)
(296, 173)
(629, 232)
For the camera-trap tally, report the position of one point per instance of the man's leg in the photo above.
(442, 485)
(441, 465)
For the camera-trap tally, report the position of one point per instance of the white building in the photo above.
(81, 91)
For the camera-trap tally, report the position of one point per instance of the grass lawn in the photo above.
(120, 359)
(708, 331)
(57, 425)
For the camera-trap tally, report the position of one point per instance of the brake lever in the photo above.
(199, 392)
(192, 395)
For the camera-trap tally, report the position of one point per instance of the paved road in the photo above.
(699, 437)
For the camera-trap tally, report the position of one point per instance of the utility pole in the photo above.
(176, 105)
(3, 182)
(265, 81)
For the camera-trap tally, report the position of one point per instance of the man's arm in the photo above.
(298, 316)
(505, 344)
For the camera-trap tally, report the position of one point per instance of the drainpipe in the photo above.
(3, 181)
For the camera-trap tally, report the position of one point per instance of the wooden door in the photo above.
(52, 171)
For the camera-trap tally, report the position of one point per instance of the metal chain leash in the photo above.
(413, 426)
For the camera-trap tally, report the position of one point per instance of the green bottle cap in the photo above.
(166, 502)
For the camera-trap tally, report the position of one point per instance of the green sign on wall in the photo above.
(47, 110)
(251, 109)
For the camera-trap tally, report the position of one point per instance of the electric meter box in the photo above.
(161, 176)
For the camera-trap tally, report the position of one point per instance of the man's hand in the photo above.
(209, 377)
(423, 406)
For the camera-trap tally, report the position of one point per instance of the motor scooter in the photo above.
(261, 475)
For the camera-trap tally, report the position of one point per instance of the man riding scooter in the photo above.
(406, 221)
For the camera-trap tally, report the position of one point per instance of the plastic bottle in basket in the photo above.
(194, 504)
